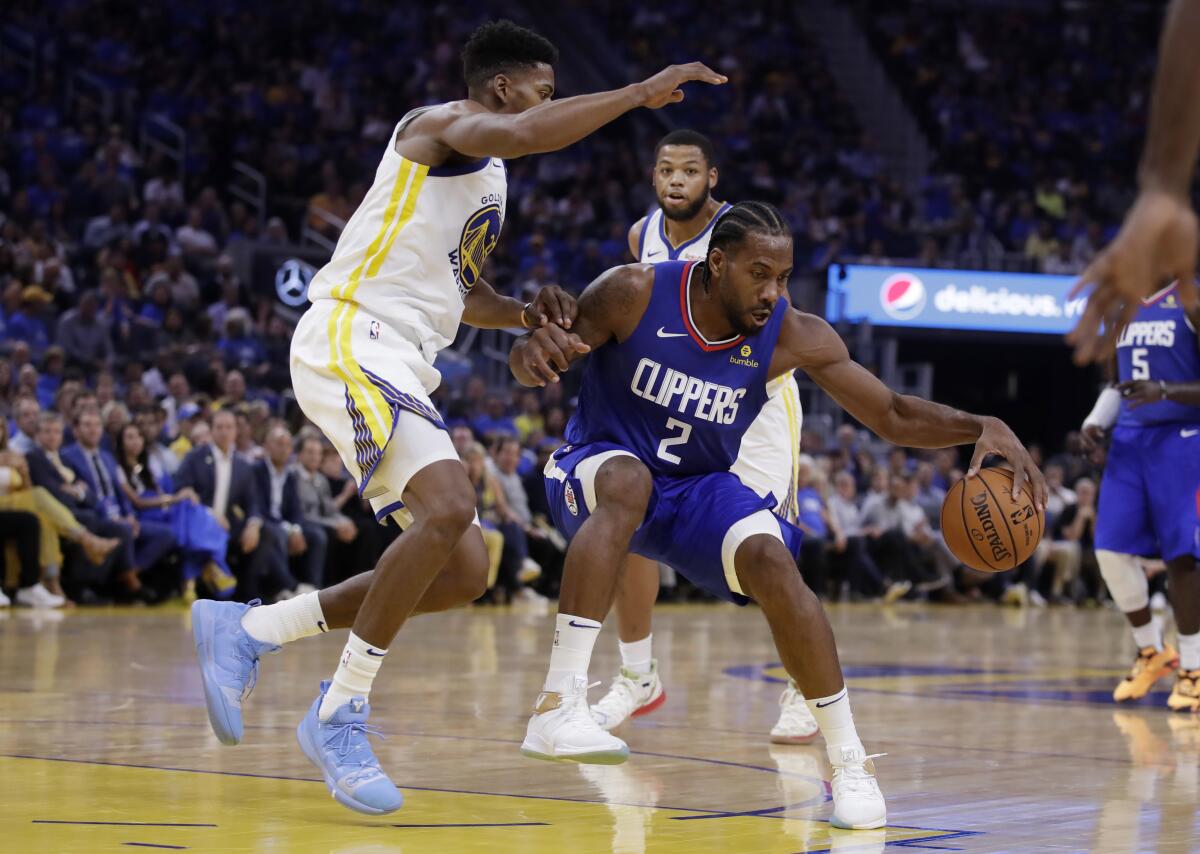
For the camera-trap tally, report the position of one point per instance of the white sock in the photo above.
(1189, 652)
(574, 638)
(354, 675)
(836, 722)
(1149, 635)
(286, 621)
(636, 656)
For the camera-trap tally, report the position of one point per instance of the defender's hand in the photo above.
(1156, 243)
(997, 438)
(663, 87)
(552, 305)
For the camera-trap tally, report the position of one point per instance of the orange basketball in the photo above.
(985, 528)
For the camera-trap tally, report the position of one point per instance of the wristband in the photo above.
(524, 312)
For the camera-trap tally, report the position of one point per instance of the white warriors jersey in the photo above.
(768, 460)
(417, 244)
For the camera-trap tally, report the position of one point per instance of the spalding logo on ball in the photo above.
(985, 528)
(902, 296)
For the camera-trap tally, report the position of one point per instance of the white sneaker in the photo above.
(857, 802)
(562, 729)
(1036, 599)
(529, 572)
(37, 596)
(1016, 595)
(631, 694)
(4, 600)
(796, 724)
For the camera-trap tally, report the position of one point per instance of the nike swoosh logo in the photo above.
(663, 333)
(374, 653)
(581, 625)
(831, 702)
(321, 625)
(652, 254)
(1187, 434)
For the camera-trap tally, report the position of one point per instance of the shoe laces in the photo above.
(853, 778)
(348, 739)
(575, 706)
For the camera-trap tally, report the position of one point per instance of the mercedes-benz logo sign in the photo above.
(291, 282)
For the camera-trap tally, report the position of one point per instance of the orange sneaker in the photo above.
(1150, 666)
(1185, 696)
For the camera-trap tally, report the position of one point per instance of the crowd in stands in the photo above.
(153, 447)
(1037, 114)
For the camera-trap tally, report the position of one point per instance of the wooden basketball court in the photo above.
(997, 725)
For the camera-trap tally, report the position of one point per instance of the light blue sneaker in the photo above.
(339, 748)
(228, 659)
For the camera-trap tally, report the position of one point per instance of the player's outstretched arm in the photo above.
(611, 306)
(557, 124)
(1158, 240)
(486, 309)
(809, 343)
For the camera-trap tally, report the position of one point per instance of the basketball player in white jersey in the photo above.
(685, 173)
(405, 272)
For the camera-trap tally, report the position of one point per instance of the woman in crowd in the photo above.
(202, 540)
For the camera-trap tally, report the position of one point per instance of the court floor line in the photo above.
(121, 823)
(768, 813)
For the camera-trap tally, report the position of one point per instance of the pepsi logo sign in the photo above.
(902, 296)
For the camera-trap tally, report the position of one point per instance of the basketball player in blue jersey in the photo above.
(646, 469)
(684, 176)
(1150, 494)
(405, 272)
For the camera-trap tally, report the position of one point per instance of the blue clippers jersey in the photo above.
(679, 403)
(1159, 344)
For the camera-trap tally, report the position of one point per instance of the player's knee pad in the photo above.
(762, 522)
(1125, 579)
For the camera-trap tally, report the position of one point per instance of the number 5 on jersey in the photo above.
(685, 433)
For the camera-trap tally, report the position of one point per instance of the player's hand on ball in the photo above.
(548, 352)
(663, 87)
(553, 305)
(997, 438)
(1140, 392)
(1157, 243)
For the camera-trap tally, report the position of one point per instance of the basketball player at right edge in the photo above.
(1150, 495)
(405, 272)
(685, 173)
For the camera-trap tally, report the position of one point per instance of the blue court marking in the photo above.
(120, 823)
(769, 813)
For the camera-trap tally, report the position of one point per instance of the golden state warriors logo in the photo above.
(479, 237)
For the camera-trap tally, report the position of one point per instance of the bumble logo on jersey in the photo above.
(479, 238)
(745, 360)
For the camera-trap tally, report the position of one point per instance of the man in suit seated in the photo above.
(97, 468)
(48, 470)
(306, 541)
(225, 483)
(318, 506)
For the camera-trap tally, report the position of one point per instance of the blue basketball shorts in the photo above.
(1150, 494)
(693, 524)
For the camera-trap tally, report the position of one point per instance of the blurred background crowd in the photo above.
(152, 155)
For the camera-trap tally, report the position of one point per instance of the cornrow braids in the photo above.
(744, 218)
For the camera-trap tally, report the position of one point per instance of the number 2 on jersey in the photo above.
(1140, 367)
(685, 433)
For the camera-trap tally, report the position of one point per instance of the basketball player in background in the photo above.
(1150, 495)
(1158, 240)
(684, 176)
(405, 272)
(659, 424)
